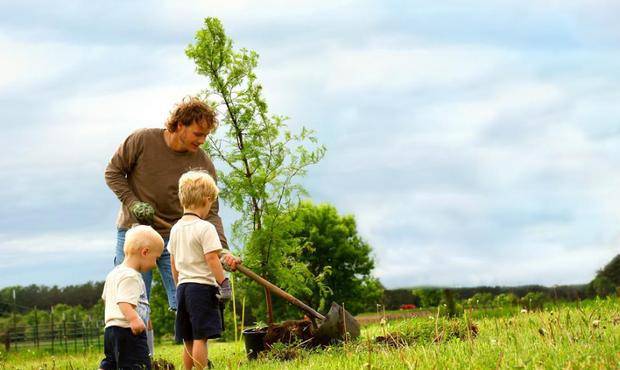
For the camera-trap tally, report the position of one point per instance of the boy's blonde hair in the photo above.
(195, 188)
(142, 236)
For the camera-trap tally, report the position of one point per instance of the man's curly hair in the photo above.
(190, 110)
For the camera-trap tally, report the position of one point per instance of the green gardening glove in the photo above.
(143, 212)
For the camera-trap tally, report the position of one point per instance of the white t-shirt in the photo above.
(124, 284)
(189, 241)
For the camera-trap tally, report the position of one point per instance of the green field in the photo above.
(585, 336)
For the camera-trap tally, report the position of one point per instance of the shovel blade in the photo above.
(338, 325)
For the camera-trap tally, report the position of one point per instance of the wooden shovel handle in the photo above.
(279, 292)
(160, 221)
(273, 288)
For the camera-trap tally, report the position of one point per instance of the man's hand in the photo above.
(230, 262)
(143, 212)
(225, 291)
(137, 325)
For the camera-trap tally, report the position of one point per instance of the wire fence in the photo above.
(55, 336)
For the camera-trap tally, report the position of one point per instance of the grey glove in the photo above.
(143, 212)
(225, 291)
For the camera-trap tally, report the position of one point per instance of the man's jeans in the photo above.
(163, 263)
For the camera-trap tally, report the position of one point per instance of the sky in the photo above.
(476, 143)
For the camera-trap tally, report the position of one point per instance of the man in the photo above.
(144, 174)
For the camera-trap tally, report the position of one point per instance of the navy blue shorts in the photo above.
(198, 312)
(123, 350)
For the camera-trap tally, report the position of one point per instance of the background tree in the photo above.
(260, 158)
(337, 257)
(606, 279)
(394, 298)
(534, 300)
(429, 297)
(612, 271)
(602, 286)
(450, 303)
(161, 316)
(505, 300)
(481, 299)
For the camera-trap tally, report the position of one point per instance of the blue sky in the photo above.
(475, 143)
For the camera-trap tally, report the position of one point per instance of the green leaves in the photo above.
(263, 159)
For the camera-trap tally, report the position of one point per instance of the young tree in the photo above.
(262, 159)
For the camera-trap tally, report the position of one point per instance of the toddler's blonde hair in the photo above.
(142, 236)
(195, 188)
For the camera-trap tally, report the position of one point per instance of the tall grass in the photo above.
(576, 336)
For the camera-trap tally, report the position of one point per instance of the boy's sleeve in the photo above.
(210, 240)
(128, 290)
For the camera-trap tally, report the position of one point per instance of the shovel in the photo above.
(338, 324)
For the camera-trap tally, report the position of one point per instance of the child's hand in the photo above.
(229, 262)
(225, 291)
(137, 326)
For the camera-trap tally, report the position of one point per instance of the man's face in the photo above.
(192, 136)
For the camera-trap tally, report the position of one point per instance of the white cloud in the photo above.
(464, 163)
(54, 247)
(412, 67)
(450, 265)
(26, 65)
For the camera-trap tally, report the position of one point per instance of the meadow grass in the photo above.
(584, 336)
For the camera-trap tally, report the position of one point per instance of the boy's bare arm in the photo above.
(175, 273)
(135, 322)
(213, 260)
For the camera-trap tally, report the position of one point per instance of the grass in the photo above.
(586, 336)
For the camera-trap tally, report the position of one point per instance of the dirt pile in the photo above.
(291, 332)
(161, 364)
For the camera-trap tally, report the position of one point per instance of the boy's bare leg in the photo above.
(188, 361)
(199, 353)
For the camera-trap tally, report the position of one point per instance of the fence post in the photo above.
(74, 333)
(97, 331)
(52, 327)
(14, 322)
(35, 337)
(64, 331)
(89, 331)
(84, 340)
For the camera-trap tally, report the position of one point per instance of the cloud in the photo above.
(450, 265)
(474, 144)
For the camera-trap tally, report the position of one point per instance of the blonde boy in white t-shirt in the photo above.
(126, 305)
(195, 252)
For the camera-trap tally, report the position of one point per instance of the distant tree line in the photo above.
(431, 296)
(605, 283)
(43, 297)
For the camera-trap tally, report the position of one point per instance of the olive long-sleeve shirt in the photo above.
(145, 169)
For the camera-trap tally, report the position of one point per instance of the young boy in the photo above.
(126, 306)
(195, 251)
